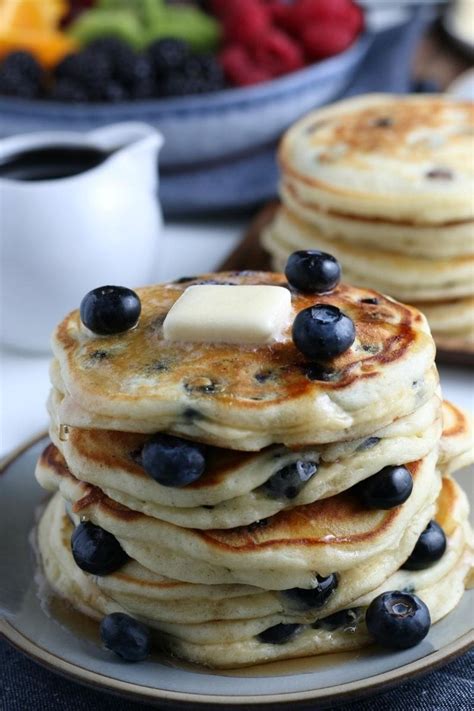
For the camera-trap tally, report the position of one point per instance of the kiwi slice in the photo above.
(98, 22)
(199, 30)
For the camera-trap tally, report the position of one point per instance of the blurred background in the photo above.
(114, 113)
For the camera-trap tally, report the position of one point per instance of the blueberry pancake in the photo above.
(327, 594)
(294, 545)
(239, 488)
(385, 184)
(405, 277)
(400, 158)
(246, 397)
(451, 320)
(243, 465)
(439, 241)
(457, 443)
(272, 632)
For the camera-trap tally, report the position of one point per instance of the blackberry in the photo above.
(205, 72)
(110, 46)
(127, 66)
(144, 89)
(134, 70)
(113, 92)
(211, 69)
(176, 84)
(21, 75)
(90, 69)
(23, 64)
(167, 55)
(68, 90)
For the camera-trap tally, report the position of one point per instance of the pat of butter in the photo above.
(229, 314)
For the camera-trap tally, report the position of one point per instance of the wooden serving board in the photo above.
(249, 254)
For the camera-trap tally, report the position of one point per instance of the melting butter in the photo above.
(243, 314)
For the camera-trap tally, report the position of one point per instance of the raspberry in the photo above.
(326, 39)
(239, 68)
(306, 13)
(356, 19)
(246, 22)
(279, 12)
(221, 8)
(277, 53)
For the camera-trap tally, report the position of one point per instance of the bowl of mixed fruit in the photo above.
(218, 77)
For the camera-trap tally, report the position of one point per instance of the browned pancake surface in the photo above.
(120, 450)
(141, 364)
(338, 520)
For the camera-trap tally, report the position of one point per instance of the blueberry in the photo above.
(323, 331)
(110, 309)
(315, 371)
(172, 461)
(390, 487)
(128, 638)
(429, 548)
(368, 444)
(312, 271)
(96, 551)
(316, 597)
(345, 619)
(287, 483)
(398, 620)
(279, 634)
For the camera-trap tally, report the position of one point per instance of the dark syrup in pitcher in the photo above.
(51, 162)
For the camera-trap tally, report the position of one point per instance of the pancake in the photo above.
(450, 318)
(408, 278)
(231, 492)
(441, 241)
(244, 398)
(209, 612)
(400, 158)
(457, 443)
(281, 552)
(224, 644)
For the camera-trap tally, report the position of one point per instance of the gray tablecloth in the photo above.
(25, 686)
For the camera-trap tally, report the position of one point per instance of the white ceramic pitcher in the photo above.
(61, 237)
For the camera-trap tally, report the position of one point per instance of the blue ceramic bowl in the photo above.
(219, 149)
(202, 127)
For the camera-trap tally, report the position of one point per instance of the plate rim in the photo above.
(338, 692)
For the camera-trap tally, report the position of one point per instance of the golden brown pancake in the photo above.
(245, 397)
(232, 492)
(400, 158)
(331, 534)
(233, 641)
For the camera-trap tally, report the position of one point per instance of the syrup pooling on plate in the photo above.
(265, 493)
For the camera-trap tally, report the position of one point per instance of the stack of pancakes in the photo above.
(246, 565)
(386, 184)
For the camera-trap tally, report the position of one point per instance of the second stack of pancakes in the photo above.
(274, 552)
(386, 184)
